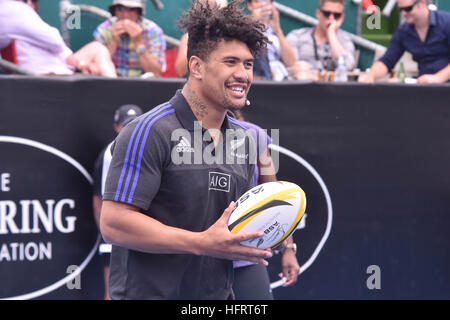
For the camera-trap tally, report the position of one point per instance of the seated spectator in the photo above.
(40, 47)
(319, 48)
(181, 61)
(426, 35)
(136, 44)
(279, 53)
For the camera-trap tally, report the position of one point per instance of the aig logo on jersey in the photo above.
(219, 181)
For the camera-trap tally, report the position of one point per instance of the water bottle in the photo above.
(401, 74)
(341, 71)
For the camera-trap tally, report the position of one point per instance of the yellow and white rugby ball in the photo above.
(273, 207)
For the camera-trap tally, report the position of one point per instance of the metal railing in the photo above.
(66, 6)
(14, 68)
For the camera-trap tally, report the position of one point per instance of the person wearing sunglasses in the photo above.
(320, 47)
(136, 44)
(426, 35)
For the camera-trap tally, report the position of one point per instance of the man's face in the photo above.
(410, 9)
(330, 11)
(122, 13)
(227, 75)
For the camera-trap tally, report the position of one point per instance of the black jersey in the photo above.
(161, 165)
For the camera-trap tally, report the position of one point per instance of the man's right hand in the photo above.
(219, 242)
(376, 72)
(334, 26)
(117, 30)
(262, 11)
(366, 78)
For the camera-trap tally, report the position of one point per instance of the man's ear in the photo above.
(196, 66)
(249, 6)
(317, 13)
(117, 127)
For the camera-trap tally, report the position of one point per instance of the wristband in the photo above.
(141, 49)
(292, 246)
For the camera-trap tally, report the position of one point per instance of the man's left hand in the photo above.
(290, 267)
(275, 21)
(134, 31)
(429, 78)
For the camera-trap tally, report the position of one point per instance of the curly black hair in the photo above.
(208, 24)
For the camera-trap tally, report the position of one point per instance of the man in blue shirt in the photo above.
(426, 35)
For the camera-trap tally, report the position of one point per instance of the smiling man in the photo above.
(426, 35)
(169, 222)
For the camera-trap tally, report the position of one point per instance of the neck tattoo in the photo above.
(200, 110)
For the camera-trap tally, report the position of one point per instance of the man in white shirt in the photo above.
(40, 47)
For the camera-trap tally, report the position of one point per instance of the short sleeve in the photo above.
(138, 158)
(103, 32)
(293, 40)
(27, 26)
(263, 140)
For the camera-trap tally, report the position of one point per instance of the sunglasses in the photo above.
(336, 15)
(408, 8)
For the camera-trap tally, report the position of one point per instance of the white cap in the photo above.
(127, 3)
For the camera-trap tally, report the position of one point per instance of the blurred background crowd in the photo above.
(322, 40)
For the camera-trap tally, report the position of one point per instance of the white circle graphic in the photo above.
(324, 188)
(79, 167)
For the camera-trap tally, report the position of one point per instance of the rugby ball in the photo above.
(273, 207)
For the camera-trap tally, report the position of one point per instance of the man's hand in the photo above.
(334, 26)
(275, 21)
(366, 78)
(219, 242)
(376, 72)
(134, 30)
(429, 78)
(290, 267)
(117, 30)
(262, 11)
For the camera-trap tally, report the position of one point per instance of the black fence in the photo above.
(372, 159)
